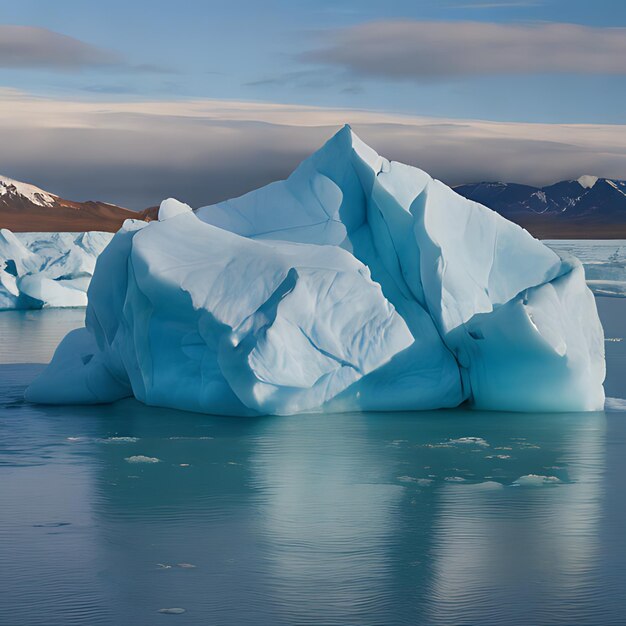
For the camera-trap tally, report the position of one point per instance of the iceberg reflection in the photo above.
(424, 517)
(523, 550)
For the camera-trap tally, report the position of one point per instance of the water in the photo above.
(111, 514)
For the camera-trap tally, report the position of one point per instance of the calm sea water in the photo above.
(442, 518)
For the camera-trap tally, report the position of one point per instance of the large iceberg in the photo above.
(355, 284)
(47, 269)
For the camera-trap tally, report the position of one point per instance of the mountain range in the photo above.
(26, 208)
(586, 208)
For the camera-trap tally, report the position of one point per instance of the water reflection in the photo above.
(352, 519)
(328, 501)
(418, 517)
(530, 552)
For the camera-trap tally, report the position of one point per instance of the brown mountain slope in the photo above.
(25, 208)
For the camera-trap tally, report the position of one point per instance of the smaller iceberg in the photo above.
(47, 269)
(355, 284)
(604, 261)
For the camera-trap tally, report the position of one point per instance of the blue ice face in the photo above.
(357, 283)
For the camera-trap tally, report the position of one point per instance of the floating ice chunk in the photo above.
(119, 440)
(140, 458)
(536, 480)
(615, 404)
(474, 441)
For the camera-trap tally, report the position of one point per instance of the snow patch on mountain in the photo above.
(33, 194)
(587, 181)
(616, 186)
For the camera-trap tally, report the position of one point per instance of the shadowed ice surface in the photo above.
(111, 514)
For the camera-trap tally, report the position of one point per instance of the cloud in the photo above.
(416, 50)
(495, 5)
(137, 153)
(109, 89)
(308, 79)
(32, 47)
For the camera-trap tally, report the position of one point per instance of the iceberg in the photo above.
(355, 284)
(47, 269)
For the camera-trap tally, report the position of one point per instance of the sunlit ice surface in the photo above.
(111, 514)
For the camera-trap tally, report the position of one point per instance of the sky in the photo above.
(133, 101)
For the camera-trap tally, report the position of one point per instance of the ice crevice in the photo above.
(357, 283)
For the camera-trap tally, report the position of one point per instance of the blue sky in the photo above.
(249, 50)
(521, 61)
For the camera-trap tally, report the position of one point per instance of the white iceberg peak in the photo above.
(171, 208)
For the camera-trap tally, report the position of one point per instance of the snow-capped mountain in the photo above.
(26, 208)
(587, 207)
